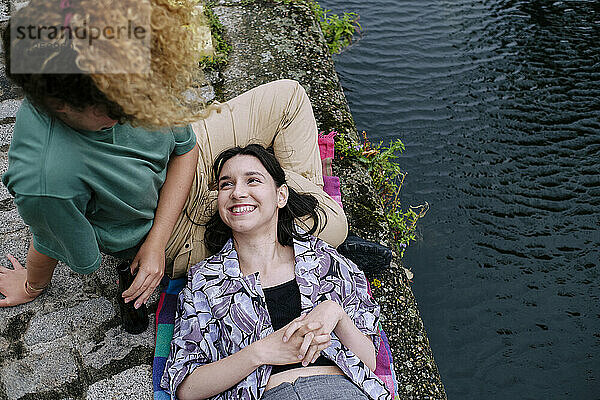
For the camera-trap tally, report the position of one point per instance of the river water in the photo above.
(497, 103)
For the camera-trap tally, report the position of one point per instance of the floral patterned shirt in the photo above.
(220, 311)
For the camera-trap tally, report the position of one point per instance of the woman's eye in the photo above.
(224, 185)
(253, 180)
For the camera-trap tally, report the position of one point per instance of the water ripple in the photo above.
(497, 102)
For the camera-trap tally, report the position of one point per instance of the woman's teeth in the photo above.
(242, 209)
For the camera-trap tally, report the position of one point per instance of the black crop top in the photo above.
(283, 304)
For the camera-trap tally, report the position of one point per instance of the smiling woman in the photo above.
(317, 337)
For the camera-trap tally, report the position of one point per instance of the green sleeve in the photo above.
(185, 139)
(61, 231)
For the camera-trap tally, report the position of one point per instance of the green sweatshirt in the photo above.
(82, 192)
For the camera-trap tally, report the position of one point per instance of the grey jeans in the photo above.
(316, 387)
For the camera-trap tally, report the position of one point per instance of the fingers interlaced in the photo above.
(305, 345)
(318, 344)
(301, 328)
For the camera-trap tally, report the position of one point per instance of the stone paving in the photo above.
(68, 343)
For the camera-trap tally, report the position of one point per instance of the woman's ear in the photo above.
(283, 193)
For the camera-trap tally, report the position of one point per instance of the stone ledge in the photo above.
(23, 376)
(127, 385)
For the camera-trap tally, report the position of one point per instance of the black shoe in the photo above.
(369, 256)
(135, 321)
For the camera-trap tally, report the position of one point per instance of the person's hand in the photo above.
(327, 314)
(274, 351)
(150, 265)
(12, 284)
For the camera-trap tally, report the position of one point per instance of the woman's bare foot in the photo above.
(12, 284)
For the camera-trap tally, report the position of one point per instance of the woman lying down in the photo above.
(276, 313)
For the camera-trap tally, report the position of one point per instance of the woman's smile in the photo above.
(242, 209)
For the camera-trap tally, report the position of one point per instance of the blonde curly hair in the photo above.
(165, 90)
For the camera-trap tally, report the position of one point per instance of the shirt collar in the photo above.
(231, 264)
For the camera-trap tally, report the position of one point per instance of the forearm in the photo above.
(359, 343)
(173, 194)
(40, 268)
(211, 379)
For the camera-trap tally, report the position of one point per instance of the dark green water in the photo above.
(498, 105)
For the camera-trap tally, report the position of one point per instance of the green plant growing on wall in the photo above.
(388, 179)
(222, 48)
(338, 31)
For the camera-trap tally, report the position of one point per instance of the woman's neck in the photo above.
(265, 255)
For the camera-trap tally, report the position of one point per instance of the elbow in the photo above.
(372, 363)
(183, 393)
(369, 358)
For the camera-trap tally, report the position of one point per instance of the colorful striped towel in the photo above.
(165, 322)
(384, 367)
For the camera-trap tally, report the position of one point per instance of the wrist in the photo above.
(155, 240)
(255, 354)
(338, 311)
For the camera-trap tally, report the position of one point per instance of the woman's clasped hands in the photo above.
(303, 339)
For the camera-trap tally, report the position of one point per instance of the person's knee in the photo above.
(291, 83)
(342, 228)
(336, 227)
(291, 87)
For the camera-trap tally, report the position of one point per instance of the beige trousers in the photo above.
(277, 114)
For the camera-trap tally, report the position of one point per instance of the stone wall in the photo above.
(68, 343)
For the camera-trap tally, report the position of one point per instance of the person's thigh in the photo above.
(327, 387)
(277, 114)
